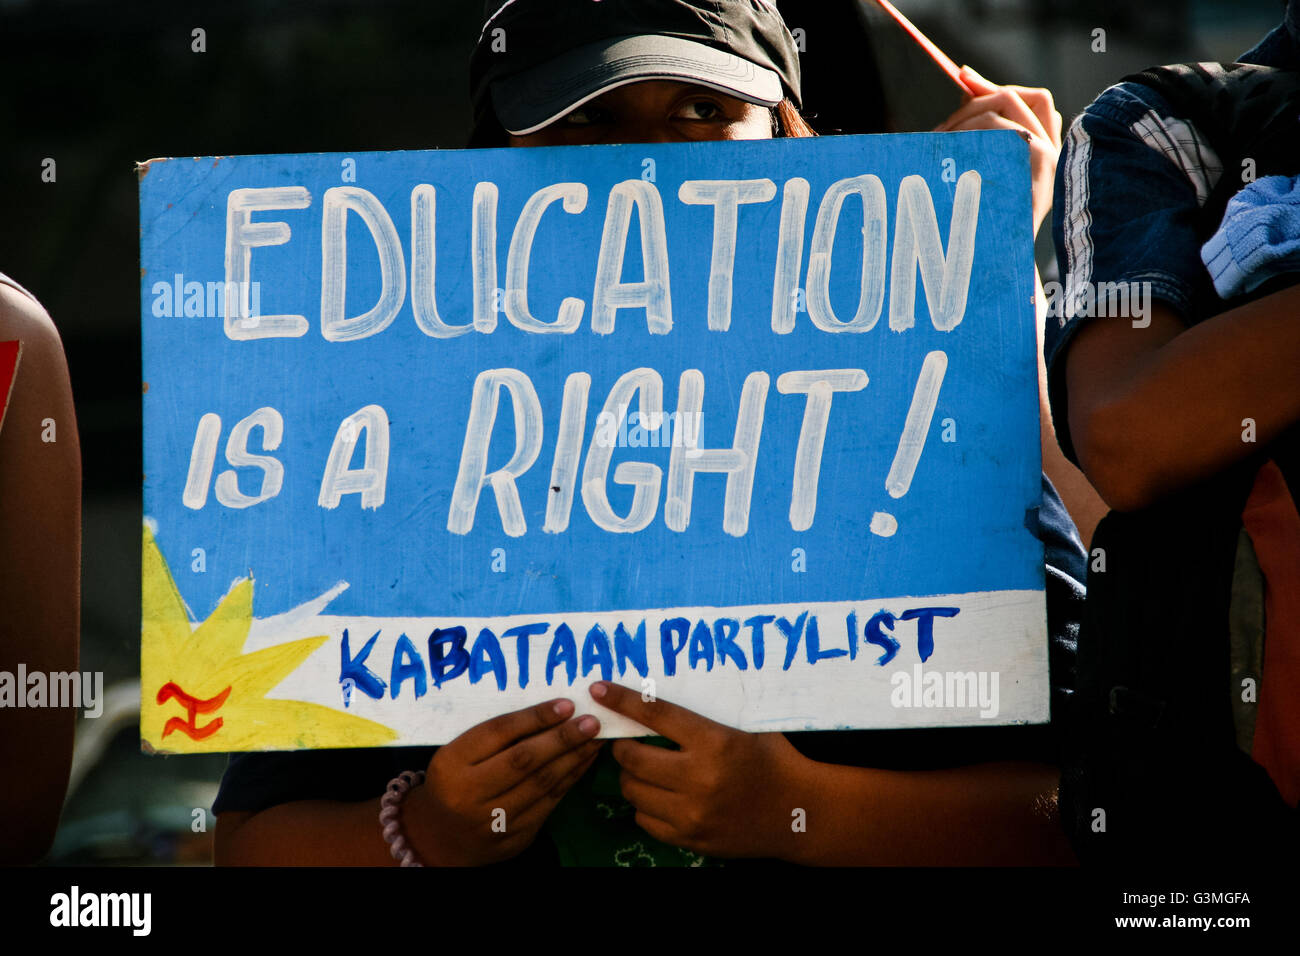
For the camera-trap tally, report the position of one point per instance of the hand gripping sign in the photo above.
(753, 425)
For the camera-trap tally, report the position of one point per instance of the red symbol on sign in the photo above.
(194, 706)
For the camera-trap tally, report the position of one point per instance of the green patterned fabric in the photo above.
(594, 826)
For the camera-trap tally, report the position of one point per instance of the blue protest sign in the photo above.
(752, 426)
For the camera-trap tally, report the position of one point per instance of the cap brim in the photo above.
(527, 101)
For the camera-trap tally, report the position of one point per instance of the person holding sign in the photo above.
(550, 73)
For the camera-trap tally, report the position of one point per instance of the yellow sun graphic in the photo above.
(200, 694)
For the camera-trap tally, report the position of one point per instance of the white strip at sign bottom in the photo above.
(942, 660)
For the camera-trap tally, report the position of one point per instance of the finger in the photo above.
(533, 755)
(676, 723)
(652, 800)
(492, 736)
(1040, 101)
(992, 121)
(529, 802)
(661, 830)
(655, 765)
(1044, 107)
(1005, 103)
(557, 792)
(1038, 98)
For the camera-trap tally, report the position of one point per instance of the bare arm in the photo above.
(997, 814)
(321, 833)
(733, 794)
(485, 798)
(40, 574)
(1155, 409)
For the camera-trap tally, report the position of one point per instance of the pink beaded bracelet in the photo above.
(390, 815)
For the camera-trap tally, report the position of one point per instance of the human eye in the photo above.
(586, 115)
(699, 110)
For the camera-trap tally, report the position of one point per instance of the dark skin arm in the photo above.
(1154, 409)
(304, 833)
(40, 575)
(733, 794)
(994, 814)
(511, 770)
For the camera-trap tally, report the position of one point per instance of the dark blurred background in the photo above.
(98, 86)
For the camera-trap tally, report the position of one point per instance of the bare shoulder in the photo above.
(25, 319)
(42, 383)
(40, 457)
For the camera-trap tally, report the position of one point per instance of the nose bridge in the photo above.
(646, 121)
(647, 130)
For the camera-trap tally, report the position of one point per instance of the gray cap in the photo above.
(534, 98)
(537, 60)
